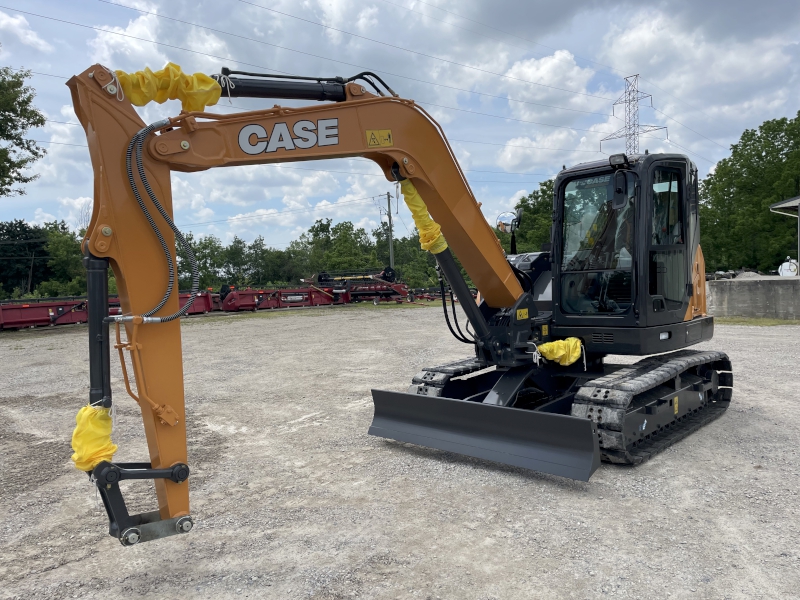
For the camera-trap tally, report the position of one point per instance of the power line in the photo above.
(608, 67)
(286, 212)
(472, 112)
(465, 66)
(521, 146)
(33, 240)
(334, 60)
(514, 35)
(687, 127)
(361, 66)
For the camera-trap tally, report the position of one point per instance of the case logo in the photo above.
(253, 139)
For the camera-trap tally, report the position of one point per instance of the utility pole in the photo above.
(632, 130)
(391, 241)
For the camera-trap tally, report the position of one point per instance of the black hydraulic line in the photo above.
(365, 74)
(520, 275)
(452, 273)
(455, 318)
(446, 316)
(140, 201)
(97, 307)
(178, 235)
(135, 149)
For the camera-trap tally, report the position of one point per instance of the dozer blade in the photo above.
(549, 443)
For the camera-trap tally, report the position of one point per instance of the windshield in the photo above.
(596, 236)
(597, 247)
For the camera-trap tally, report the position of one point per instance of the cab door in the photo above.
(667, 255)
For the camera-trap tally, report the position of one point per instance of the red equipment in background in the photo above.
(41, 312)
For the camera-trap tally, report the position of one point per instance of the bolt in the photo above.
(405, 161)
(111, 88)
(185, 145)
(91, 75)
(130, 537)
(184, 525)
(106, 231)
(363, 89)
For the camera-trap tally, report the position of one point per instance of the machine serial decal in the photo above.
(379, 138)
(253, 139)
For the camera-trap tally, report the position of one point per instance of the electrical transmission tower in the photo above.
(632, 130)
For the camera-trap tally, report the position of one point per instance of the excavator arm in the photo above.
(131, 231)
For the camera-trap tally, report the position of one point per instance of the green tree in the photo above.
(209, 253)
(67, 274)
(537, 218)
(236, 266)
(17, 116)
(23, 257)
(737, 228)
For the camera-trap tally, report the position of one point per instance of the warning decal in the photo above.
(522, 314)
(379, 138)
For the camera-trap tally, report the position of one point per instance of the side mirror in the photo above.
(507, 222)
(519, 217)
(620, 190)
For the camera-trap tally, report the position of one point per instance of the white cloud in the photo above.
(19, 26)
(40, 216)
(127, 47)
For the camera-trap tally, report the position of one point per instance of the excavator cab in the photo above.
(626, 255)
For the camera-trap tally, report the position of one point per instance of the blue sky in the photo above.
(543, 74)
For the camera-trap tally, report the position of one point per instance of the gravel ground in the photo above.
(292, 499)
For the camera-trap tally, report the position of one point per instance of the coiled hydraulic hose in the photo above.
(135, 151)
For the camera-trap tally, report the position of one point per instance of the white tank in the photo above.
(789, 268)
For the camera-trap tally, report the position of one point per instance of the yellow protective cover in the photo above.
(564, 352)
(91, 439)
(430, 233)
(170, 83)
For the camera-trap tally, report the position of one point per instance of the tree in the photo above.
(236, 267)
(67, 273)
(17, 116)
(737, 228)
(23, 257)
(209, 253)
(537, 218)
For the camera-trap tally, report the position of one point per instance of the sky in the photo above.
(521, 88)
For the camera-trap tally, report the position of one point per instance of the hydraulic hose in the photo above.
(447, 317)
(135, 150)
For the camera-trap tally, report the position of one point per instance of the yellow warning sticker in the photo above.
(522, 314)
(675, 404)
(545, 330)
(379, 138)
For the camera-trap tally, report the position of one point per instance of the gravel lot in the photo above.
(292, 499)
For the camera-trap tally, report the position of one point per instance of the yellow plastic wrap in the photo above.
(170, 83)
(91, 439)
(430, 234)
(564, 352)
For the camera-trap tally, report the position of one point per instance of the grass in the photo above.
(757, 322)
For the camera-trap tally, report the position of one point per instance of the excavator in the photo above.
(623, 274)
